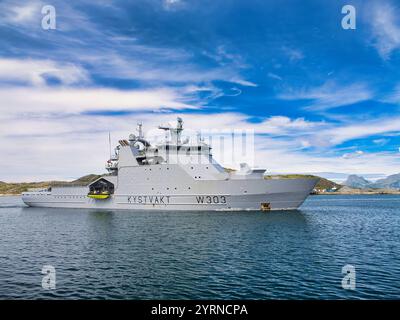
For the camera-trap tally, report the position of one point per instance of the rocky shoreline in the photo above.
(353, 191)
(358, 192)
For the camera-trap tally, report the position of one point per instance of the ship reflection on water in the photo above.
(122, 254)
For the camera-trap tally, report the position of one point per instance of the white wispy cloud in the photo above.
(161, 68)
(352, 155)
(20, 13)
(35, 72)
(79, 100)
(287, 161)
(381, 142)
(72, 145)
(173, 4)
(293, 54)
(122, 56)
(394, 96)
(60, 140)
(281, 125)
(334, 134)
(383, 125)
(274, 76)
(385, 26)
(331, 95)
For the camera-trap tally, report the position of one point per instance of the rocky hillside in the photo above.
(349, 190)
(17, 188)
(390, 182)
(354, 181)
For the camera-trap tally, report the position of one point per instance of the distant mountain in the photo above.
(390, 182)
(349, 190)
(354, 181)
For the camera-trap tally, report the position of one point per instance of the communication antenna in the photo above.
(109, 142)
(198, 136)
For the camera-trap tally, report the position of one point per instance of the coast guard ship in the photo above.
(174, 175)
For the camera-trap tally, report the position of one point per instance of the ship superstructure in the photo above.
(174, 175)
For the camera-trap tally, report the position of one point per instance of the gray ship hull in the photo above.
(263, 194)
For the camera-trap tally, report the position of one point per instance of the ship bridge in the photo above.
(138, 161)
(138, 151)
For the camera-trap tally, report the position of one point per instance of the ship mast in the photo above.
(174, 132)
(140, 130)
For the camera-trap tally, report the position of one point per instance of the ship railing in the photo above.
(69, 185)
(38, 189)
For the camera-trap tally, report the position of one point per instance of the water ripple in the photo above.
(203, 255)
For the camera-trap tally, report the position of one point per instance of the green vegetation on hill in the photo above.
(85, 180)
(17, 188)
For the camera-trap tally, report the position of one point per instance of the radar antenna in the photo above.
(174, 132)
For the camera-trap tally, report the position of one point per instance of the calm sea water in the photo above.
(194, 255)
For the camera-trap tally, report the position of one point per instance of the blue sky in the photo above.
(320, 98)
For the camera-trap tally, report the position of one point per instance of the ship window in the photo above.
(206, 167)
(191, 168)
(199, 148)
